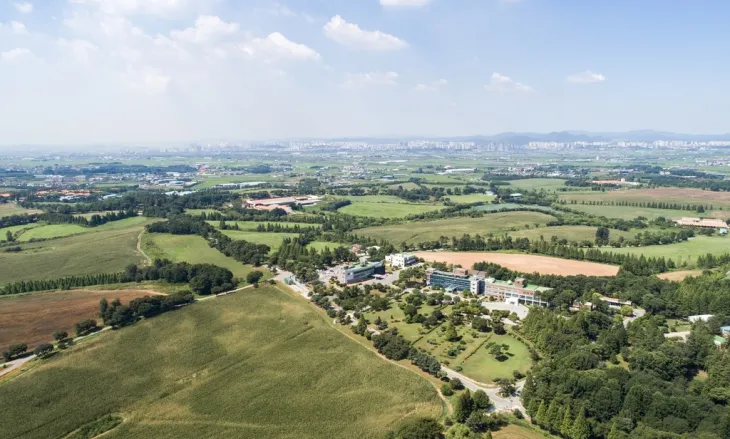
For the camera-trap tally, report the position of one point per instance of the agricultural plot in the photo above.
(387, 210)
(50, 231)
(33, 318)
(679, 276)
(571, 233)
(667, 195)
(422, 231)
(16, 230)
(257, 364)
(523, 263)
(683, 253)
(530, 184)
(512, 206)
(9, 209)
(321, 245)
(195, 250)
(629, 213)
(471, 198)
(273, 240)
(88, 253)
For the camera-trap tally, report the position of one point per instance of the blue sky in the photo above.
(84, 71)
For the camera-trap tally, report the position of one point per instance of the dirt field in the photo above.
(524, 263)
(32, 319)
(679, 276)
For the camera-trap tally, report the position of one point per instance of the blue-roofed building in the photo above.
(725, 330)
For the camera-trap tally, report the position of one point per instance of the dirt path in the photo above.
(148, 260)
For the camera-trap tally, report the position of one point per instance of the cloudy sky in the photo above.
(83, 71)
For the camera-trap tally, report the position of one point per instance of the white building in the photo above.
(700, 317)
(400, 260)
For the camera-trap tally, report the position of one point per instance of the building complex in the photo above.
(400, 260)
(476, 282)
(360, 273)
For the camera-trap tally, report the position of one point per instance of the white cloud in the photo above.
(24, 8)
(14, 54)
(502, 83)
(277, 47)
(80, 49)
(151, 7)
(350, 35)
(18, 28)
(586, 77)
(372, 78)
(432, 87)
(406, 3)
(207, 28)
(148, 80)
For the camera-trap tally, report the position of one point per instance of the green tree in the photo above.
(580, 429)
(60, 335)
(9, 236)
(541, 416)
(463, 407)
(450, 333)
(552, 419)
(43, 350)
(480, 400)
(460, 431)
(254, 277)
(476, 421)
(567, 424)
(602, 236)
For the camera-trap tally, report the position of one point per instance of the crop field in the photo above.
(195, 250)
(679, 276)
(629, 212)
(667, 195)
(99, 252)
(571, 233)
(549, 184)
(376, 199)
(257, 364)
(523, 263)
(273, 240)
(684, 252)
(483, 367)
(50, 231)
(16, 230)
(33, 318)
(421, 231)
(407, 186)
(471, 198)
(387, 210)
(9, 209)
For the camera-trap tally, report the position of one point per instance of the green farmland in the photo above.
(256, 364)
(192, 249)
(629, 213)
(571, 233)
(387, 210)
(9, 209)
(50, 231)
(496, 223)
(530, 184)
(683, 252)
(273, 240)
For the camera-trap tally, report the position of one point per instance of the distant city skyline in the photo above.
(117, 71)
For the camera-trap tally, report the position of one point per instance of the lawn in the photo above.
(320, 245)
(101, 252)
(436, 344)
(9, 209)
(375, 199)
(513, 431)
(683, 252)
(629, 213)
(529, 184)
(259, 363)
(195, 250)
(483, 367)
(273, 240)
(421, 231)
(387, 210)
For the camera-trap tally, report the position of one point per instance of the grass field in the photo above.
(33, 318)
(273, 240)
(549, 184)
(519, 432)
(260, 364)
(667, 195)
(512, 206)
(15, 230)
(49, 231)
(100, 252)
(571, 233)
(679, 276)
(471, 198)
(483, 367)
(496, 223)
(523, 263)
(387, 210)
(683, 252)
(629, 213)
(9, 209)
(195, 250)
(375, 199)
(320, 245)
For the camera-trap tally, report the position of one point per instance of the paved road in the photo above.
(500, 404)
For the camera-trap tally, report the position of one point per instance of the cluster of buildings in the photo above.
(461, 279)
(401, 260)
(360, 273)
(283, 203)
(707, 223)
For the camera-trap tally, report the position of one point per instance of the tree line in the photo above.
(699, 208)
(117, 315)
(93, 221)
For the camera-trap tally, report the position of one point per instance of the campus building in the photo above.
(283, 203)
(517, 292)
(400, 260)
(360, 273)
(705, 223)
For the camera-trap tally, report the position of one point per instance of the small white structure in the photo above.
(700, 318)
(400, 260)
